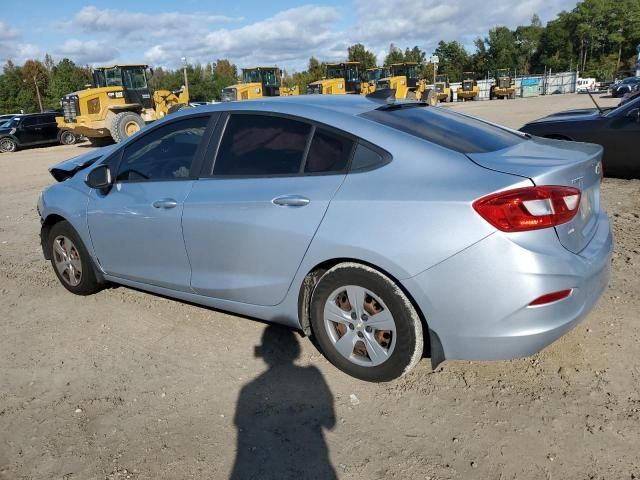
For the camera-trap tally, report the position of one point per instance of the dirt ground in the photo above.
(124, 384)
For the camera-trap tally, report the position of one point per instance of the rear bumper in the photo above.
(476, 302)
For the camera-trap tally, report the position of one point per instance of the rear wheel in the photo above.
(364, 324)
(411, 95)
(125, 124)
(71, 261)
(7, 145)
(68, 138)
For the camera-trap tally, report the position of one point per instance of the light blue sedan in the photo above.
(386, 230)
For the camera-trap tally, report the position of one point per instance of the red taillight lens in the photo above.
(551, 297)
(529, 208)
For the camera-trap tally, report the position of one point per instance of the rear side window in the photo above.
(328, 152)
(365, 158)
(257, 145)
(445, 128)
(29, 121)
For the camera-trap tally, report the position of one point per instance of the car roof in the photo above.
(342, 104)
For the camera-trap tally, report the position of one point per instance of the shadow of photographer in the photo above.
(280, 416)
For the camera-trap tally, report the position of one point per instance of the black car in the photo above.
(616, 129)
(625, 86)
(32, 129)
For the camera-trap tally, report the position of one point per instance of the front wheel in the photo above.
(71, 261)
(126, 124)
(364, 324)
(7, 145)
(68, 138)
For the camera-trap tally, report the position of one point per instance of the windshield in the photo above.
(10, 122)
(134, 78)
(623, 109)
(269, 78)
(251, 76)
(335, 71)
(374, 75)
(412, 71)
(441, 78)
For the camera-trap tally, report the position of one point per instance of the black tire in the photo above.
(68, 138)
(125, 124)
(408, 346)
(100, 141)
(87, 282)
(8, 145)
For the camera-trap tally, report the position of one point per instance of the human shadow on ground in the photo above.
(280, 416)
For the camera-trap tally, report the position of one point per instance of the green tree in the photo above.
(358, 53)
(395, 55)
(453, 59)
(65, 77)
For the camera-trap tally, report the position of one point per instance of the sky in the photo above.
(277, 32)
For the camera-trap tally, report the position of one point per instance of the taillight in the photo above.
(529, 208)
(551, 297)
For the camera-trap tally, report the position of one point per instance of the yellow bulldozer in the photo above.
(443, 90)
(373, 75)
(469, 89)
(119, 105)
(403, 78)
(505, 86)
(258, 82)
(340, 79)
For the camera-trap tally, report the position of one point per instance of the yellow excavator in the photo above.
(443, 90)
(504, 87)
(258, 82)
(469, 89)
(403, 78)
(119, 105)
(340, 79)
(373, 75)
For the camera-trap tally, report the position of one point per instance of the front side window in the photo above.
(328, 152)
(29, 121)
(251, 76)
(335, 72)
(352, 73)
(259, 145)
(166, 153)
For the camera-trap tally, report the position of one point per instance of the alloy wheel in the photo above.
(67, 260)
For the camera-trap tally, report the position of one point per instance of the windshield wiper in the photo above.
(595, 103)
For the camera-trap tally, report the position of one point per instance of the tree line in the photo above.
(597, 37)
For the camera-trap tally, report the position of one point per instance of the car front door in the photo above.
(248, 226)
(621, 143)
(27, 131)
(136, 226)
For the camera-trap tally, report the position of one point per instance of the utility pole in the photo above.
(35, 81)
(184, 69)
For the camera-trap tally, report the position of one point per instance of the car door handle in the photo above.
(291, 201)
(165, 203)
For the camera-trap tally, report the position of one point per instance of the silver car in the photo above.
(386, 230)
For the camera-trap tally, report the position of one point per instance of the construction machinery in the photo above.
(469, 89)
(119, 105)
(258, 82)
(373, 75)
(340, 79)
(403, 78)
(505, 86)
(443, 91)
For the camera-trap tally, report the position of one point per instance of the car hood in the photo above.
(570, 116)
(69, 168)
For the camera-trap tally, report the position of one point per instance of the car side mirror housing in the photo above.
(100, 178)
(634, 114)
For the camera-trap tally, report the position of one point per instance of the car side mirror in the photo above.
(634, 114)
(100, 178)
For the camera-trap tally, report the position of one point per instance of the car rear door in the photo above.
(248, 224)
(49, 128)
(136, 227)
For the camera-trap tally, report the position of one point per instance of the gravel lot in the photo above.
(124, 384)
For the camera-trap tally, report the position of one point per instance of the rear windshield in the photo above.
(445, 128)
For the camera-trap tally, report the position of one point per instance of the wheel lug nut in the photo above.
(369, 329)
(354, 315)
(360, 334)
(351, 326)
(364, 317)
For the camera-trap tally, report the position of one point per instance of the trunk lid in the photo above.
(556, 162)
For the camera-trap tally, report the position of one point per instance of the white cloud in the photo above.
(425, 22)
(91, 19)
(87, 52)
(288, 38)
(12, 48)
(7, 32)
